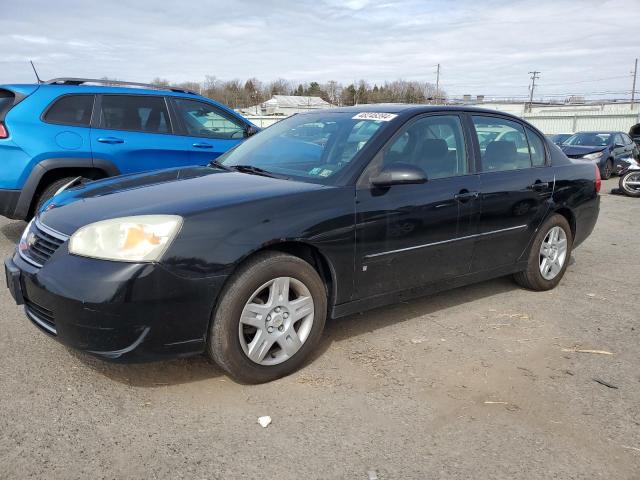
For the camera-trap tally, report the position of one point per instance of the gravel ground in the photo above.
(472, 383)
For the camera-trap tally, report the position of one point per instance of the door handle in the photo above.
(539, 186)
(110, 140)
(466, 195)
(203, 145)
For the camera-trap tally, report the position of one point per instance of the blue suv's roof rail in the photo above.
(118, 83)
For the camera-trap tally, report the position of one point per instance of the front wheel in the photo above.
(630, 183)
(607, 170)
(549, 255)
(269, 318)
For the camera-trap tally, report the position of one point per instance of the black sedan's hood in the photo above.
(570, 150)
(181, 191)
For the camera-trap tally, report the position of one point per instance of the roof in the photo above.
(90, 87)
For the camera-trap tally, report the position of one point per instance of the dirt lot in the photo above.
(472, 383)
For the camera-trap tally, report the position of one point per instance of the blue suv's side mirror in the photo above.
(250, 131)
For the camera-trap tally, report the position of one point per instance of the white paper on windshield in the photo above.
(379, 116)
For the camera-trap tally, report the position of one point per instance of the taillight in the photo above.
(3, 131)
(598, 179)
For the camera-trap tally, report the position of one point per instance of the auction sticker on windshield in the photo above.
(379, 116)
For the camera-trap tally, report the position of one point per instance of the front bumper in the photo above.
(118, 311)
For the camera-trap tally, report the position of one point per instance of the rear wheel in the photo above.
(50, 190)
(630, 183)
(269, 318)
(607, 170)
(549, 255)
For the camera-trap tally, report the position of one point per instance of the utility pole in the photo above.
(535, 75)
(633, 90)
(438, 84)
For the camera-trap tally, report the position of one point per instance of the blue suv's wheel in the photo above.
(50, 190)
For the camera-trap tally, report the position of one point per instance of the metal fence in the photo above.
(554, 123)
(568, 123)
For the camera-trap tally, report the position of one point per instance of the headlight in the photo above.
(141, 238)
(593, 156)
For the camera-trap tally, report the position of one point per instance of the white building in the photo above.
(286, 105)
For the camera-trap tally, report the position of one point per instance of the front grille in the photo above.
(41, 316)
(39, 243)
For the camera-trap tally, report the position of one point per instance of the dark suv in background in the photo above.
(53, 133)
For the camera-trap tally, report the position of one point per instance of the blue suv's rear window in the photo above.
(6, 102)
(71, 110)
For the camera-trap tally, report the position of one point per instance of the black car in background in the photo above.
(605, 149)
(559, 138)
(246, 258)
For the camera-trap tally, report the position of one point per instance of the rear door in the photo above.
(135, 133)
(516, 182)
(412, 235)
(209, 131)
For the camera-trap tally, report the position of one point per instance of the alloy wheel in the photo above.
(631, 182)
(276, 321)
(553, 253)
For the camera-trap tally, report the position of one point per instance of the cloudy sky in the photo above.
(484, 47)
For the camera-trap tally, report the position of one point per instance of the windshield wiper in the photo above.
(216, 163)
(255, 171)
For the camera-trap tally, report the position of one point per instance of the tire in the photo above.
(627, 189)
(607, 170)
(533, 278)
(230, 340)
(50, 190)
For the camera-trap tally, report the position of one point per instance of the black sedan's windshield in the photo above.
(589, 139)
(312, 147)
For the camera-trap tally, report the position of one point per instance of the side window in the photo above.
(71, 110)
(536, 147)
(204, 120)
(503, 144)
(618, 140)
(137, 113)
(433, 143)
(627, 139)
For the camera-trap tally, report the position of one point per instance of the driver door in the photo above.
(412, 235)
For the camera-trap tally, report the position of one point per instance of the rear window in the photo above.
(71, 110)
(6, 102)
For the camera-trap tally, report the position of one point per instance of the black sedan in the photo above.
(605, 149)
(246, 258)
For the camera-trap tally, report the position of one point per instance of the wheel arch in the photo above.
(307, 252)
(569, 215)
(52, 169)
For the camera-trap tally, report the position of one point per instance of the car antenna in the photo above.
(35, 71)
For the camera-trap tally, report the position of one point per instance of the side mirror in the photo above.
(618, 145)
(250, 131)
(399, 174)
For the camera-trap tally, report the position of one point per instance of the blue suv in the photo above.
(55, 132)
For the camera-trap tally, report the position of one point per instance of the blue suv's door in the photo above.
(211, 131)
(135, 133)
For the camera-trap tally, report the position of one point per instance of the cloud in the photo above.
(483, 47)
